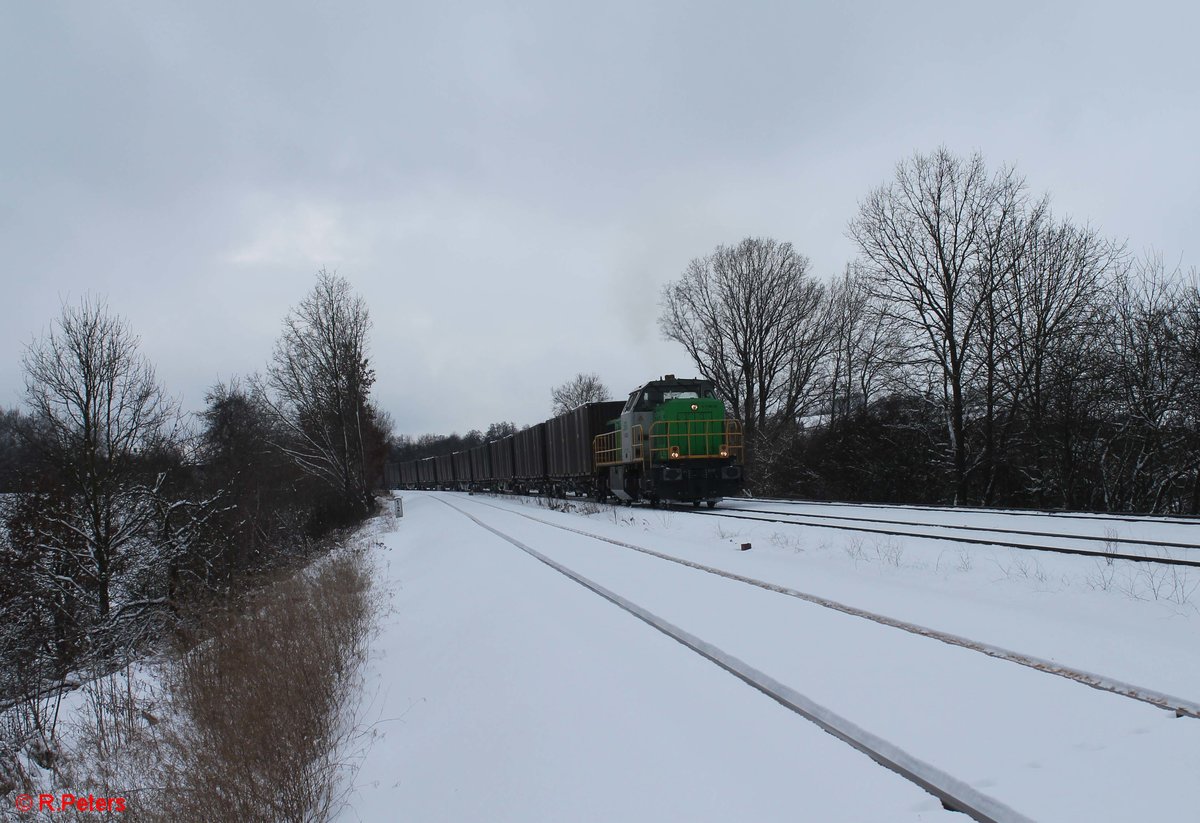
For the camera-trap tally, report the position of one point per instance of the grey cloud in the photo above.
(509, 185)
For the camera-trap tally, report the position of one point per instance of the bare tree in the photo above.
(1190, 357)
(752, 320)
(926, 239)
(1146, 457)
(317, 385)
(257, 481)
(1054, 296)
(101, 413)
(17, 457)
(580, 389)
(864, 350)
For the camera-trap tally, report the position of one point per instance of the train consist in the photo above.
(670, 441)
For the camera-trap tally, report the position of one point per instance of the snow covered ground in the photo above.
(501, 690)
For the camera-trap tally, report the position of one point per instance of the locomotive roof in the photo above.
(670, 380)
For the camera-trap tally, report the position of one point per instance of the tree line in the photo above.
(121, 513)
(980, 349)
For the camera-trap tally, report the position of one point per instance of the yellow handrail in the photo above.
(695, 440)
(673, 440)
(606, 448)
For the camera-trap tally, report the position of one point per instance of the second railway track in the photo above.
(1057, 514)
(893, 529)
(1112, 539)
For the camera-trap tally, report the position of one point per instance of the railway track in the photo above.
(889, 528)
(954, 794)
(1091, 538)
(1058, 515)
(1180, 706)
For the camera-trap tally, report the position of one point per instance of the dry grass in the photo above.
(266, 701)
(256, 721)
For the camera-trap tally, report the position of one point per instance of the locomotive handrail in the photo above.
(669, 440)
(694, 440)
(607, 448)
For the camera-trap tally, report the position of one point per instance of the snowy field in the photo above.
(502, 690)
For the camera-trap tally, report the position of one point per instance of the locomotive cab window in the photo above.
(650, 398)
(643, 401)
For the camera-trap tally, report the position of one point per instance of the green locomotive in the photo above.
(672, 442)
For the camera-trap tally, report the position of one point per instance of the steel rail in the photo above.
(1180, 706)
(1063, 515)
(1138, 558)
(953, 793)
(1059, 535)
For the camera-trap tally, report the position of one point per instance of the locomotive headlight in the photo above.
(674, 451)
(724, 452)
(695, 407)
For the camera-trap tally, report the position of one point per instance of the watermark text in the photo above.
(67, 802)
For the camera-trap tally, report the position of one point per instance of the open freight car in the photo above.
(409, 477)
(445, 471)
(461, 461)
(427, 473)
(500, 452)
(529, 459)
(481, 467)
(569, 455)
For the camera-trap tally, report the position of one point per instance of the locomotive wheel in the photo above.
(712, 504)
(696, 504)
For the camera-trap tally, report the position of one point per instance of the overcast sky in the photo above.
(510, 184)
